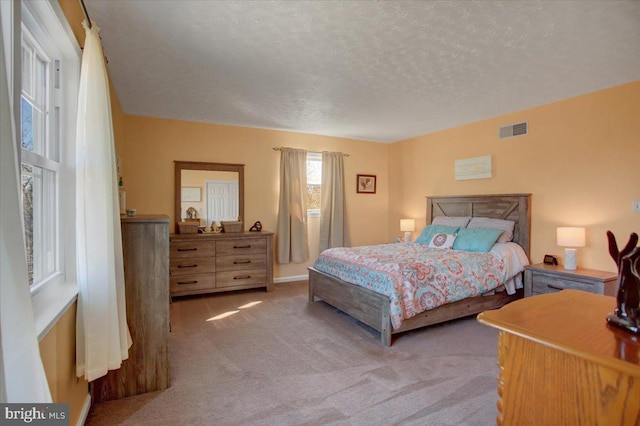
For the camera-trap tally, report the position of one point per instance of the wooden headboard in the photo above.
(516, 207)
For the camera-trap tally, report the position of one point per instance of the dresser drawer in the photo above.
(192, 282)
(241, 278)
(241, 262)
(241, 246)
(201, 264)
(195, 265)
(182, 249)
(544, 284)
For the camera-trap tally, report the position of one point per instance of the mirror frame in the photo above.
(216, 167)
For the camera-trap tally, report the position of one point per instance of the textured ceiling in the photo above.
(373, 70)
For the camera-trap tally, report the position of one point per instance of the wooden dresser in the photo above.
(209, 263)
(145, 246)
(562, 364)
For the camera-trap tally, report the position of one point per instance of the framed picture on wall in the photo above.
(191, 194)
(366, 184)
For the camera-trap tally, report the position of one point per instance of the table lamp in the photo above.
(407, 226)
(570, 237)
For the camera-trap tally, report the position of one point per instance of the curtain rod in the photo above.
(315, 152)
(86, 14)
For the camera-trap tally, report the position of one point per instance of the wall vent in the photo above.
(518, 129)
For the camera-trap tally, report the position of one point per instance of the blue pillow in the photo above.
(476, 239)
(430, 230)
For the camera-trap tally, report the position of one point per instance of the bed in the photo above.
(374, 309)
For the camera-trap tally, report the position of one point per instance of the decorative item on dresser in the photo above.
(561, 364)
(543, 278)
(145, 246)
(215, 262)
(627, 313)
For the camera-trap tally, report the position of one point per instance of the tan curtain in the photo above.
(334, 231)
(293, 245)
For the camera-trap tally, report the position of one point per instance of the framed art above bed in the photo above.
(380, 312)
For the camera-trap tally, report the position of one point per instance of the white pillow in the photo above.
(460, 221)
(442, 241)
(486, 222)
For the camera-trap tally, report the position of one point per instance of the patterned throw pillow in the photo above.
(442, 241)
(430, 230)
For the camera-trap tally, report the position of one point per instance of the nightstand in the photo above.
(541, 279)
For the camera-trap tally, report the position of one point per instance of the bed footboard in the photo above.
(372, 308)
(361, 303)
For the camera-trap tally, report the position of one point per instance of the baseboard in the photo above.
(85, 411)
(291, 278)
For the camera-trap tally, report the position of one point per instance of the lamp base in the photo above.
(570, 259)
(407, 237)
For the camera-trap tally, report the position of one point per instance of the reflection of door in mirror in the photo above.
(222, 200)
(214, 190)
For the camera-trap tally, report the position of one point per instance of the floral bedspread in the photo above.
(414, 277)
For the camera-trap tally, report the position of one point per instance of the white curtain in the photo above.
(103, 339)
(334, 231)
(293, 244)
(22, 377)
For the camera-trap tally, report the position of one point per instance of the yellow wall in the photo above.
(153, 144)
(580, 162)
(58, 352)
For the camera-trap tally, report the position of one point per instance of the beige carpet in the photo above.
(283, 361)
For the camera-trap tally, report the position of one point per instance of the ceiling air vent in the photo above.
(518, 129)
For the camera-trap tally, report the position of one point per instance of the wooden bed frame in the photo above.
(372, 308)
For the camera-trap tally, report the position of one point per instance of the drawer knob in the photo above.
(188, 249)
(187, 266)
(187, 282)
(241, 262)
(242, 277)
(554, 287)
(242, 247)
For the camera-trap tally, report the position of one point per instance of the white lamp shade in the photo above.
(407, 225)
(570, 237)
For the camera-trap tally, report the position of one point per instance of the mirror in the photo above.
(208, 192)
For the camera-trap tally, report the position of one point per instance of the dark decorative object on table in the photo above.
(627, 313)
(257, 227)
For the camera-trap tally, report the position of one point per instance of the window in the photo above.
(49, 65)
(40, 154)
(314, 180)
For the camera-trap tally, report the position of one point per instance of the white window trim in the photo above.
(52, 300)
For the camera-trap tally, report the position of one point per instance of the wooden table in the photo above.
(562, 364)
